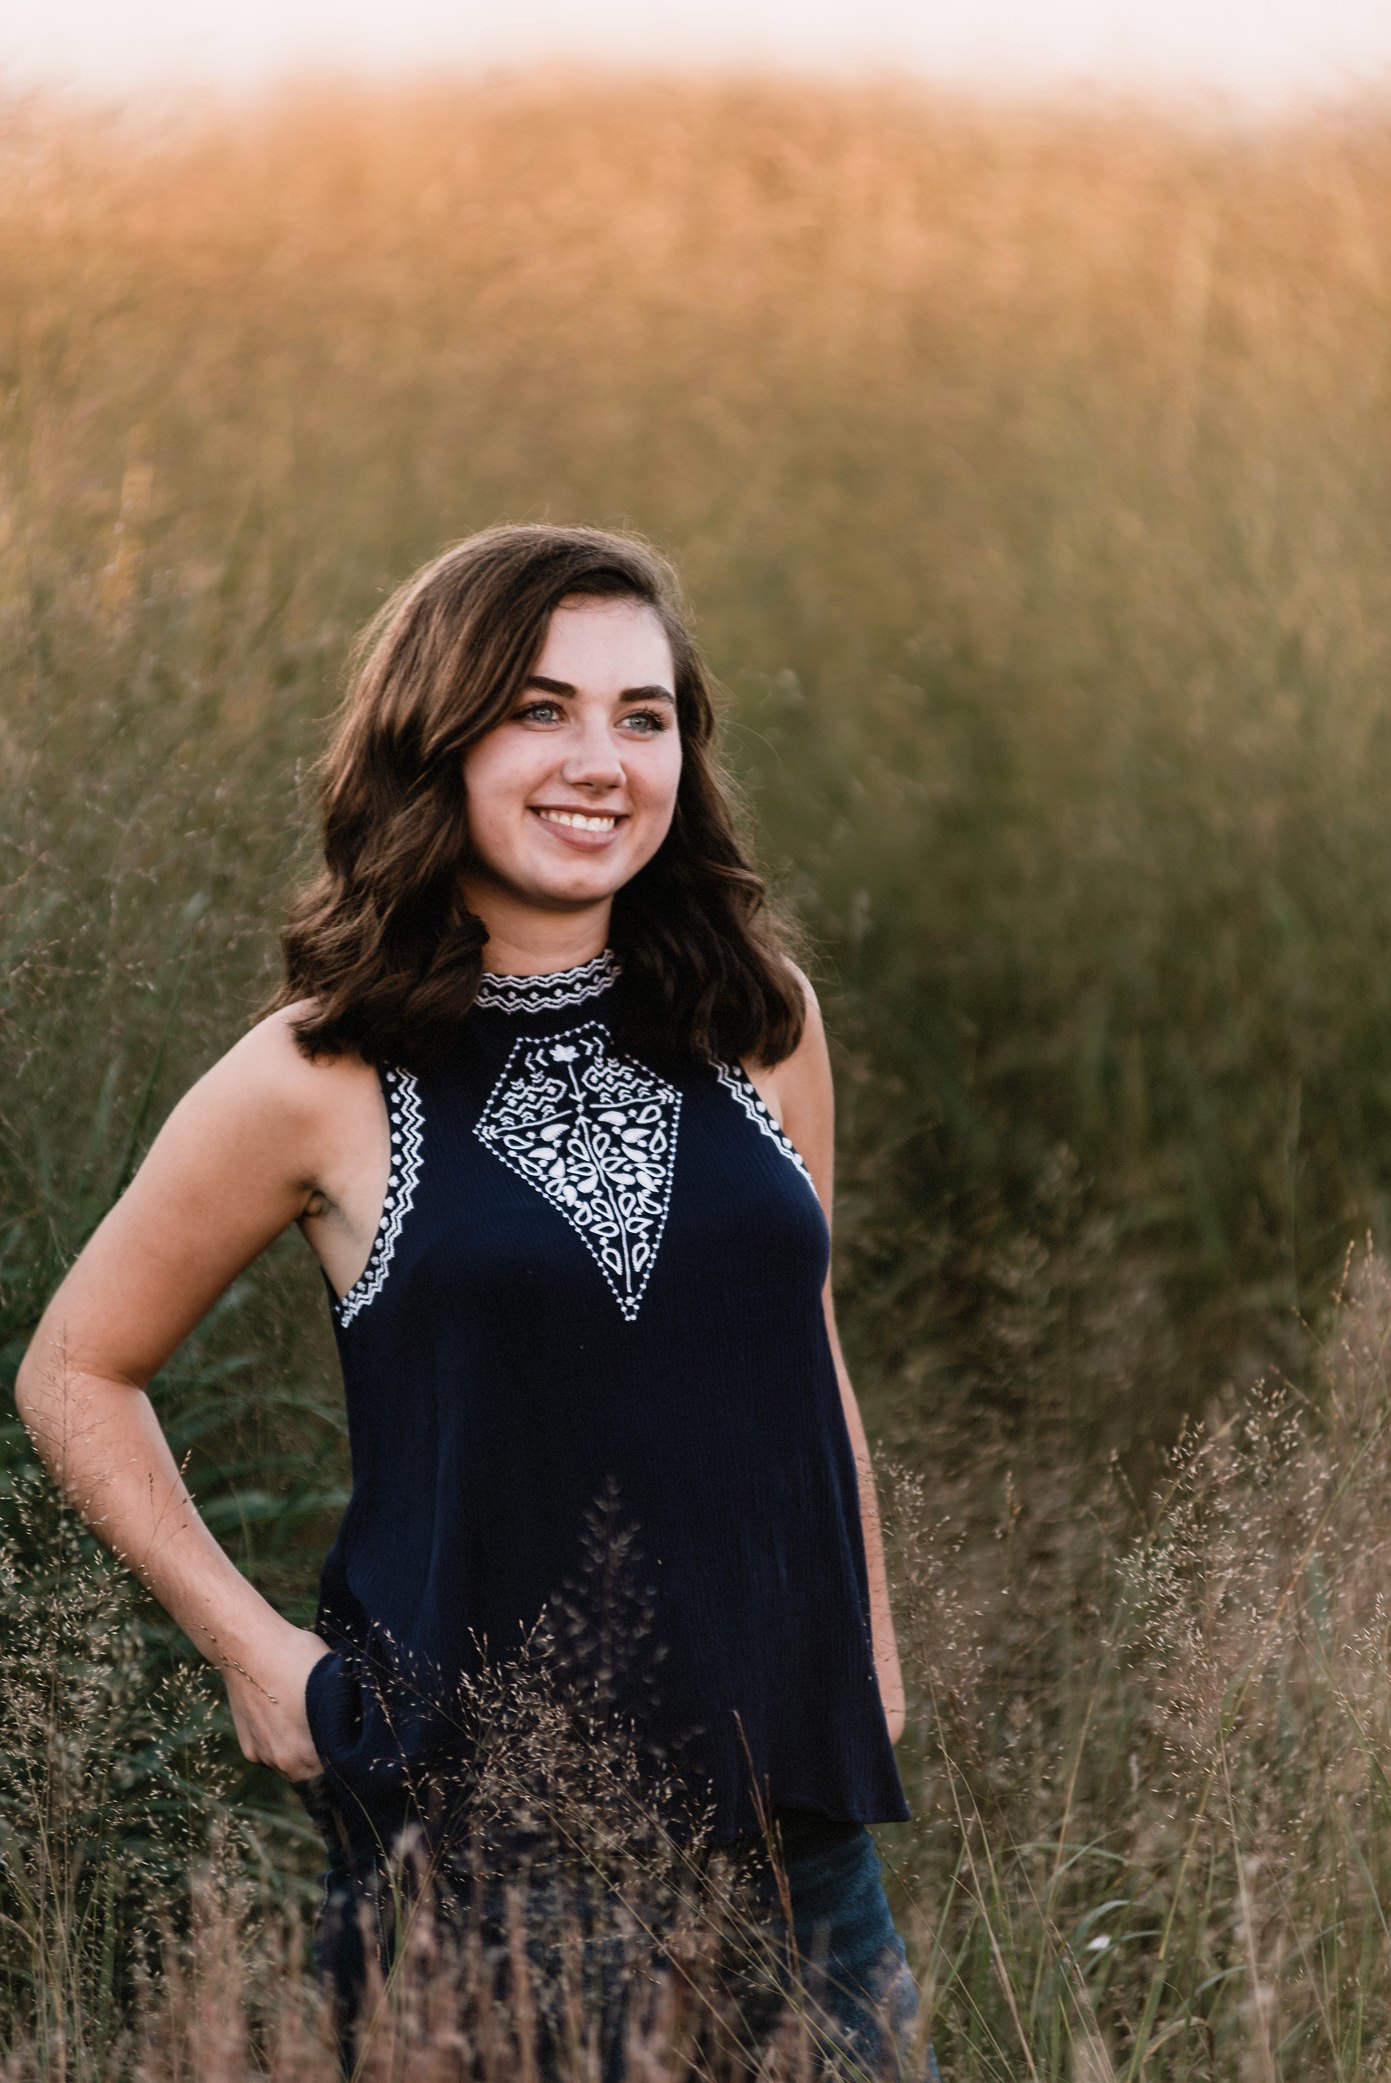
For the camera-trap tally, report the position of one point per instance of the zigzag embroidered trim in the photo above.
(407, 1119)
(558, 987)
(737, 1080)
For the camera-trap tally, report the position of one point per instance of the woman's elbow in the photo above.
(25, 1389)
(44, 1392)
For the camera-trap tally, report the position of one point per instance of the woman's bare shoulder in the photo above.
(267, 1072)
(809, 998)
(272, 1047)
(808, 1058)
(802, 1096)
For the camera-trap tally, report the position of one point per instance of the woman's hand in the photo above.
(267, 1700)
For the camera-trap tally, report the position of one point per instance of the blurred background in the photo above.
(1012, 391)
(1260, 52)
(1025, 456)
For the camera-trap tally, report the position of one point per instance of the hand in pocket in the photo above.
(267, 1701)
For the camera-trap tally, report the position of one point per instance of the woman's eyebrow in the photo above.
(629, 694)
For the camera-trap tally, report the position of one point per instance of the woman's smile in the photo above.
(580, 827)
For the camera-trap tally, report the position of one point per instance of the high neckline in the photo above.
(510, 992)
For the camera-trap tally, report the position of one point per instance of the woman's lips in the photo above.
(586, 836)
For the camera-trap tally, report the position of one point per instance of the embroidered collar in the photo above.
(552, 989)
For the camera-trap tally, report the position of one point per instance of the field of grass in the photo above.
(1030, 472)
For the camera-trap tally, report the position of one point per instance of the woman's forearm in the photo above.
(886, 1661)
(103, 1444)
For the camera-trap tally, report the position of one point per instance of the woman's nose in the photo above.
(591, 761)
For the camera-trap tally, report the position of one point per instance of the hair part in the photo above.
(381, 940)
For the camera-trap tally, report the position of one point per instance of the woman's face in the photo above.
(574, 791)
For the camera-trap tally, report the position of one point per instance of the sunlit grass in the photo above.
(1031, 476)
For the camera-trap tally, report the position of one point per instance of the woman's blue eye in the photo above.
(652, 718)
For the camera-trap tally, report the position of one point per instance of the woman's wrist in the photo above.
(240, 1630)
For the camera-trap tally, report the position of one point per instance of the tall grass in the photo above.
(1030, 474)
(1152, 1832)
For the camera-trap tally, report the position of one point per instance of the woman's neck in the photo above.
(537, 948)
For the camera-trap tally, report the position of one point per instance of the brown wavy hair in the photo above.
(381, 940)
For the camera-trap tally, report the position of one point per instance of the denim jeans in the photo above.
(850, 1958)
(851, 1970)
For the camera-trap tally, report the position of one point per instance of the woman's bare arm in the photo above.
(800, 1092)
(233, 1165)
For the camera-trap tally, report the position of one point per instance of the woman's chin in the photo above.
(562, 882)
(570, 892)
(584, 879)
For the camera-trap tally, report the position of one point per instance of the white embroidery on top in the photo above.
(406, 1121)
(738, 1081)
(595, 1134)
(542, 994)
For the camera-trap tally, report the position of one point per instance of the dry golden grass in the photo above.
(1030, 472)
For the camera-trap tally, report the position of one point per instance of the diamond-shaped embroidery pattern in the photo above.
(595, 1134)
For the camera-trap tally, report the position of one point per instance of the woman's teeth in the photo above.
(580, 822)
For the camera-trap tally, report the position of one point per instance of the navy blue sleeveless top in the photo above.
(594, 1302)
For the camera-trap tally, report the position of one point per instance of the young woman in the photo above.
(552, 1107)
